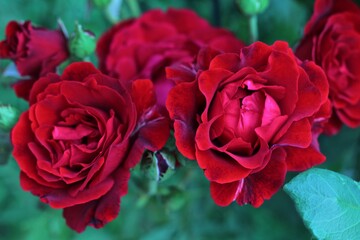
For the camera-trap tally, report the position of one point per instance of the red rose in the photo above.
(143, 47)
(248, 118)
(35, 51)
(79, 138)
(332, 40)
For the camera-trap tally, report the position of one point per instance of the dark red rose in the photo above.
(35, 51)
(143, 47)
(248, 118)
(79, 138)
(332, 40)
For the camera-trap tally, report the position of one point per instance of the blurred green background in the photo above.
(185, 209)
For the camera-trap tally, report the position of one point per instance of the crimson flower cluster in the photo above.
(247, 114)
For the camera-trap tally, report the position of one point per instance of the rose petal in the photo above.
(99, 212)
(260, 186)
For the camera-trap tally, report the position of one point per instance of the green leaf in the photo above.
(328, 202)
(283, 20)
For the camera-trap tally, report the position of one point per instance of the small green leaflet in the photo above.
(328, 202)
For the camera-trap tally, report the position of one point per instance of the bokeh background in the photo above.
(183, 208)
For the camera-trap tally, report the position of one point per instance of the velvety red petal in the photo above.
(297, 135)
(21, 136)
(180, 73)
(104, 43)
(143, 95)
(333, 126)
(22, 88)
(78, 71)
(152, 136)
(99, 212)
(224, 194)
(61, 198)
(4, 50)
(299, 159)
(40, 85)
(183, 103)
(219, 167)
(228, 61)
(260, 186)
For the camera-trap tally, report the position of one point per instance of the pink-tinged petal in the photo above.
(78, 71)
(299, 159)
(271, 111)
(260, 186)
(219, 167)
(98, 212)
(268, 132)
(224, 194)
(143, 95)
(282, 70)
(297, 135)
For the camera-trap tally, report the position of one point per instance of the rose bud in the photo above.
(332, 40)
(248, 118)
(35, 51)
(82, 43)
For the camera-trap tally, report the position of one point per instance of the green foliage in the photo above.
(283, 20)
(328, 202)
(343, 152)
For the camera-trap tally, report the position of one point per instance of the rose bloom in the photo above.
(79, 138)
(35, 51)
(248, 118)
(143, 47)
(332, 40)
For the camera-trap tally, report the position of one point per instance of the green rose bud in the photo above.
(159, 165)
(252, 7)
(82, 43)
(8, 117)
